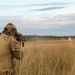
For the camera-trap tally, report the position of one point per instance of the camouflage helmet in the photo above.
(11, 27)
(7, 28)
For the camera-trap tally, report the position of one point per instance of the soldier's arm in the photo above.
(15, 49)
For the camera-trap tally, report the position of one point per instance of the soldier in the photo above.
(9, 49)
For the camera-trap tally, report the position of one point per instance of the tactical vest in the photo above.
(5, 55)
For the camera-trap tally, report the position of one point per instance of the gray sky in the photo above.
(40, 17)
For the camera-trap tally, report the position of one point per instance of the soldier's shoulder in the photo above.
(2, 35)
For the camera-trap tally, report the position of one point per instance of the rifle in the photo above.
(21, 38)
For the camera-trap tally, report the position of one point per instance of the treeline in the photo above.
(35, 37)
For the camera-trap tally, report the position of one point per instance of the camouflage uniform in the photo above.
(9, 49)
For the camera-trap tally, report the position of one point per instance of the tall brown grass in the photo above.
(48, 57)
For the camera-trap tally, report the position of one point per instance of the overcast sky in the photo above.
(39, 17)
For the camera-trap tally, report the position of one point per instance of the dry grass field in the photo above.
(48, 57)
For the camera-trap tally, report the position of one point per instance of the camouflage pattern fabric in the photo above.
(8, 48)
(10, 27)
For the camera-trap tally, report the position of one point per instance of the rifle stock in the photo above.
(21, 38)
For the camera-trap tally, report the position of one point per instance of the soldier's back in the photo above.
(5, 56)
